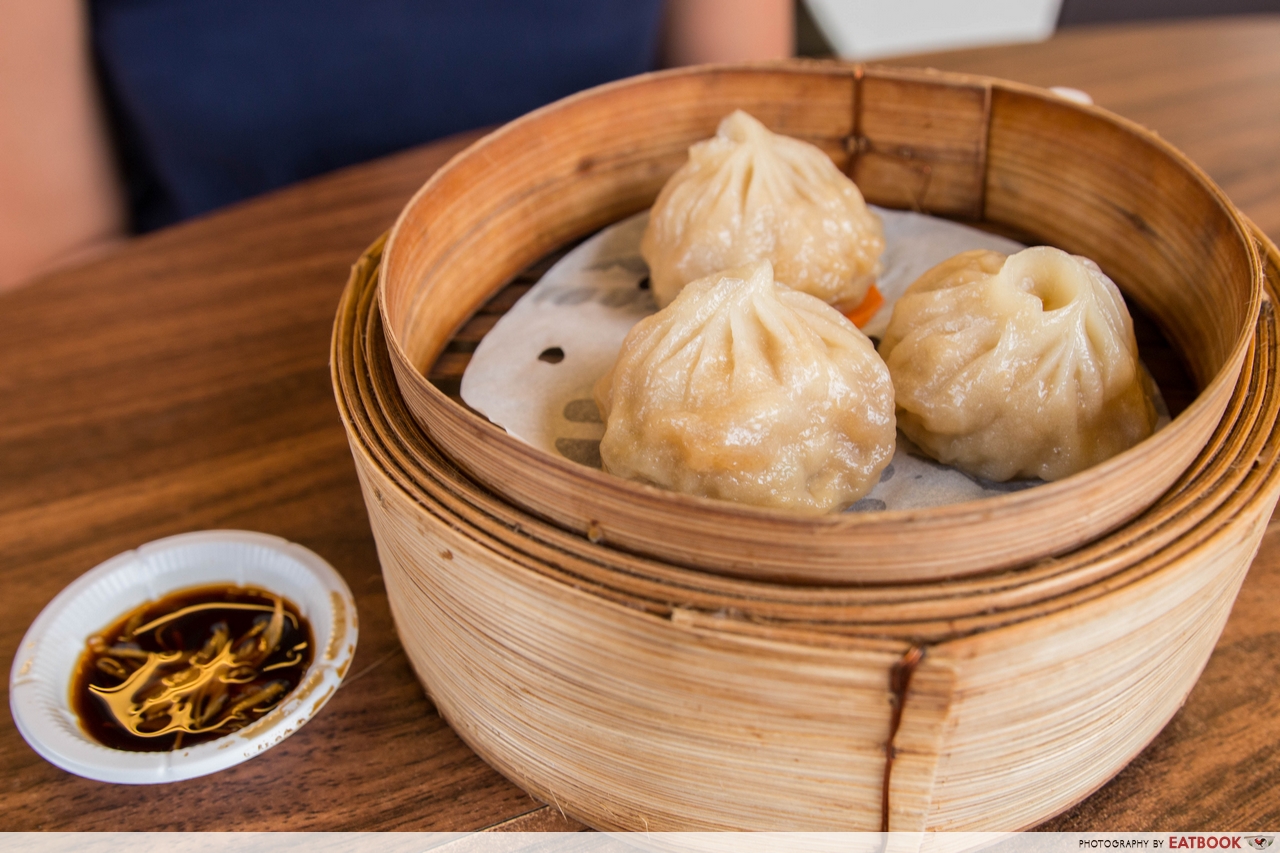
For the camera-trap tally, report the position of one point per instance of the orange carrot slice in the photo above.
(867, 308)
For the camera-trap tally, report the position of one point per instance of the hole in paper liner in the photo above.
(582, 412)
(584, 451)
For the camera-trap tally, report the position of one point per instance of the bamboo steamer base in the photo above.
(635, 695)
(626, 721)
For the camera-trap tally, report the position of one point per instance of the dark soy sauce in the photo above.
(198, 664)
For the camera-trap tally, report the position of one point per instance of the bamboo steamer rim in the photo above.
(1248, 396)
(1249, 458)
(464, 431)
(1164, 521)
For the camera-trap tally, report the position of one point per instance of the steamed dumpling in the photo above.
(746, 390)
(1017, 366)
(748, 194)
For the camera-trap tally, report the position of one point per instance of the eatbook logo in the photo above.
(1261, 842)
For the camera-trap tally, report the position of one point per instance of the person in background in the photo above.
(122, 116)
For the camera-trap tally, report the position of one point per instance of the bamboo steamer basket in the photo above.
(639, 695)
(1015, 158)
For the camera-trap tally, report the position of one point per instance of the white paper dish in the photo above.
(40, 680)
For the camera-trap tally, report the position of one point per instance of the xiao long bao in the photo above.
(1017, 366)
(748, 194)
(746, 390)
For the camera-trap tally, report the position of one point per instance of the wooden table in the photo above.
(181, 384)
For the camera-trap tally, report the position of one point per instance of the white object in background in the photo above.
(1076, 95)
(40, 681)
(873, 29)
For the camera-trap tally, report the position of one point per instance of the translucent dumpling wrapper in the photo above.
(749, 194)
(746, 390)
(1017, 366)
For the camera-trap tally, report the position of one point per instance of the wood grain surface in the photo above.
(1210, 87)
(181, 384)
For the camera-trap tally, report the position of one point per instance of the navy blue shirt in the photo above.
(212, 101)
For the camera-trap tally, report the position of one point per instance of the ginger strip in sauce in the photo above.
(196, 665)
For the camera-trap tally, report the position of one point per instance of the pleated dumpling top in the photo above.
(1017, 366)
(746, 390)
(748, 194)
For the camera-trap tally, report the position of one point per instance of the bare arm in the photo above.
(60, 198)
(696, 31)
